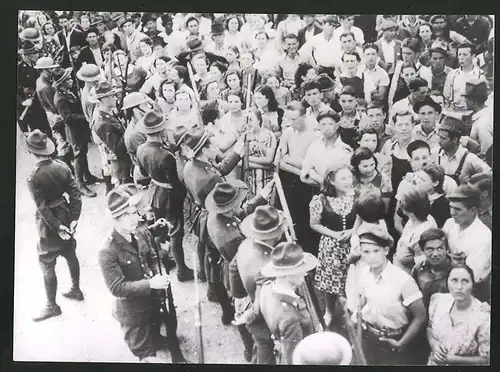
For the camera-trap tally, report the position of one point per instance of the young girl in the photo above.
(282, 95)
(368, 138)
(166, 97)
(332, 215)
(272, 115)
(232, 55)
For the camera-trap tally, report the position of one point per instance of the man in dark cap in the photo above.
(157, 161)
(77, 128)
(437, 56)
(56, 219)
(149, 22)
(217, 45)
(457, 162)
(91, 53)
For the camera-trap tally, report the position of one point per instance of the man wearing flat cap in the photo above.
(389, 48)
(129, 264)
(56, 219)
(456, 160)
(437, 56)
(77, 128)
(481, 132)
(166, 192)
(131, 39)
(217, 44)
(469, 238)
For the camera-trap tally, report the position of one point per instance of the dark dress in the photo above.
(440, 210)
(336, 214)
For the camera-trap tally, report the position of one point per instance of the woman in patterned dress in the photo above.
(459, 326)
(262, 148)
(50, 42)
(272, 115)
(332, 215)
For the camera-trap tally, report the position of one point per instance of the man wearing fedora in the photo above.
(110, 131)
(323, 348)
(217, 45)
(166, 191)
(284, 311)
(264, 228)
(129, 264)
(77, 128)
(56, 219)
(225, 213)
(131, 39)
(201, 174)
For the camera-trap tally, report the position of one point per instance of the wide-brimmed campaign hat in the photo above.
(427, 101)
(31, 34)
(122, 197)
(60, 75)
(38, 143)
(195, 139)
(104, 89)
(152, 122)
(134, 99)
(226, 196)
(194, 43)
(44, 63)
(89, 72)
(266, 222)
(27, 47)
(289, 259)
(323, 348)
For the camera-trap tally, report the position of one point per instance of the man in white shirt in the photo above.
(376, 78)
(410, 51)
(428, 112)
(469, 238)
(347, 25)
(419, 89)
(389, 47)
(132, 39)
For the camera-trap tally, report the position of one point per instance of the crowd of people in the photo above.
(351, 154)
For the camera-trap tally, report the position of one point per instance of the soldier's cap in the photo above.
(427, 101)
(134, 99)
(323, 348)
(31, 34)
(189, 17)
(195, 139)
(453, 125)
(217, 29)
(97, 19)
(89, 72)
(226, 196)
(476, 88)
(371, 233)
(38, 143)
(471, 193)
(289, 259)
(121, 198)
(104, 89)
(60, 75)
(266, 222)
(27, 47)
(179, 133)
(388, 24)
(194, 43)
(325, 82)
(45, 63)
(152, 122)
(439, 47)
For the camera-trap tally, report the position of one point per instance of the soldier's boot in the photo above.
(225, 303)
(81, 183)
(108, 184)
(212, 293)
(184, 273)
(49, 311)
(248, 342)
(202, 277)
(74, 294)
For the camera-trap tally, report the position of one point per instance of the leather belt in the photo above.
(162, 184)
(386, 332)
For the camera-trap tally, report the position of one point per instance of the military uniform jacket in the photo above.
(47, 183)
(156, 161)
(244, 269)
(287, 318)
(126, 272)
(26, 76)
(200, 177)
(111, 133)
(45, 94)
(77, 128)
(224, 232)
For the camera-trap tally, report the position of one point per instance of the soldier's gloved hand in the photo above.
(159, 281)
(64, 232)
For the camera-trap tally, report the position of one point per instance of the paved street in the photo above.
(86, 331)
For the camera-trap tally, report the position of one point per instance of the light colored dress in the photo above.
(259, 143)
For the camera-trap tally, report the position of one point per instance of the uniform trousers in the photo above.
(264, 344)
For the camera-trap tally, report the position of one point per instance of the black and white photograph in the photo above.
(268, 189)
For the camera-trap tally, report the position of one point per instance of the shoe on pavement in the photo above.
(49, 311)
(202, 277)
(74, 294)
(185, 275)
(170, 263)
(227, 316)
(248, 354)
(87, 192)
(91, 180)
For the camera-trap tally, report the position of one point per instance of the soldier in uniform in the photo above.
(129, 265)
(264, 229)
(201, 174)
(167, 193)
(56, 218)
(110, 131)
(224, 217)
(77, 128)
(284, 311)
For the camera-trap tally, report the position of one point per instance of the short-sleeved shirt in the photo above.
(432, 139)
(475, 241)
(374, 79)
(471, 165)
(482, 128)
(388, 297)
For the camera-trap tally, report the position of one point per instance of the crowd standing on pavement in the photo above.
(343, 158)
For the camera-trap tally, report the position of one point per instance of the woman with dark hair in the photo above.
(332, 215)
(459, 325)
(366, 176)
(304, 72)
(368, 137)
(180, 75)
(282, 94)
(232, 57)
(272, 115)
(424, 34)
(431, 178)
(147, 59)
(416, 206)
(217, 70)
(151, 86)
(166, 96)
(408, 73)
(232, 81)
(232, 36)
(262, 146)
(50, 44)
(441, 28)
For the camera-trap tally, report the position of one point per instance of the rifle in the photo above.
(195, 90)
(197, 315)
(246, 153)
(71, 60)
(306, 289)
(25, 111)
(167, 306)
(355, 335)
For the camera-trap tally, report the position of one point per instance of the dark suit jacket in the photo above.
(126, 273)
(76, 38)
(397, 54)
(302, 34)
(86, 56)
